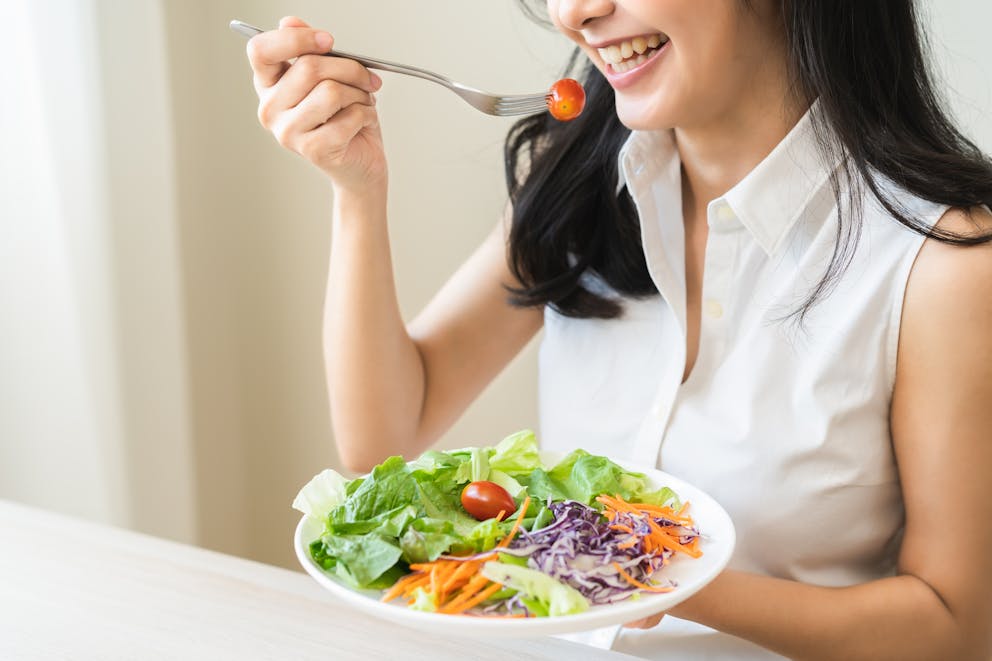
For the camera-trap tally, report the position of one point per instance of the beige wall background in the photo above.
(163, 261)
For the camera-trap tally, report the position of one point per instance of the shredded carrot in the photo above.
(405, 586)
(394, 591)
(470, 590)
(421, 581)
(660, 536)
(461, 573)
(666, 539)
(434, 585)
(633, 581)
(481, 596)
(516, 525)
(617, 503)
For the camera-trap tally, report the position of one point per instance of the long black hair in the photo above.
(878, 111)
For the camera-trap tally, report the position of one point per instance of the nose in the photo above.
(577, 14)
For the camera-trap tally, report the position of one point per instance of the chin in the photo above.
(645, 117)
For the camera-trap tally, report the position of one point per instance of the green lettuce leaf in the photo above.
(541, 486)
(562, 471)
(390, 523)
(432, 460)
(513, 487)
(360, 559)
(423, 601)
(484, 535)
(319, 496)
(542, 594)
(517, 454)
(476, 468)
(595, 475)
(426, 539)
(663, 496)
(582, 476)
(438, 504)
(389, 486)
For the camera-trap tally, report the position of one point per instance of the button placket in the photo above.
(718, 273)
(663, 245)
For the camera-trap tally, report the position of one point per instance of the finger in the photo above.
(333, 137)
(305, 74)
(270, 52)
(292, 22)
(325, 101)
(646, 623)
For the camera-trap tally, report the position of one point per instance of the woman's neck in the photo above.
(716, 156)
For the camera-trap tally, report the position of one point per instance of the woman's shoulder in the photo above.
(942, 267)
(948, 301)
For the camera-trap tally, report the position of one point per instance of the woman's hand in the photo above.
(646, 622)
(319, 107)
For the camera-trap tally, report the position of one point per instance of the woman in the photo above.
(777, 286)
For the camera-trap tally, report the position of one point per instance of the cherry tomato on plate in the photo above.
(566, 99)
(485, 500)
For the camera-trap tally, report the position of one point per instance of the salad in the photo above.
(492, 531)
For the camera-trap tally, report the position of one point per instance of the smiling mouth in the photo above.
(627, 54)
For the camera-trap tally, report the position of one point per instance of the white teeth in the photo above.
(630, 53)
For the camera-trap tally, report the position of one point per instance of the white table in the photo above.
(71, 589)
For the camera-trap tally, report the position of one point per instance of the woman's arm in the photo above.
(395, 388)
(939, 606)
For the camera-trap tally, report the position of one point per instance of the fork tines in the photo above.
(521, 105)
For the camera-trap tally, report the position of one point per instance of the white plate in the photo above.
(717, 545)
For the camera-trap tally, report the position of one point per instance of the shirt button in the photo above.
(725, 213)
(713, 309)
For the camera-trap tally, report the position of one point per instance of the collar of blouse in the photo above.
(767, 202)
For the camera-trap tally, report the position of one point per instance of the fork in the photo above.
(501, 105)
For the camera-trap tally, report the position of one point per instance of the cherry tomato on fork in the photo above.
(566, 99)
(485, 500)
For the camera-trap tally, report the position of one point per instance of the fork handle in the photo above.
(250, 31)
(383, 65)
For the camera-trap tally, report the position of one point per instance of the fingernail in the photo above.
(324, 40)
(376, 80)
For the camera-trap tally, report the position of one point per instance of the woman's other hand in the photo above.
(320, 107)
(646, 622)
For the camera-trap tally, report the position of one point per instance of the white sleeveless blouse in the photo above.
(786, 426)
